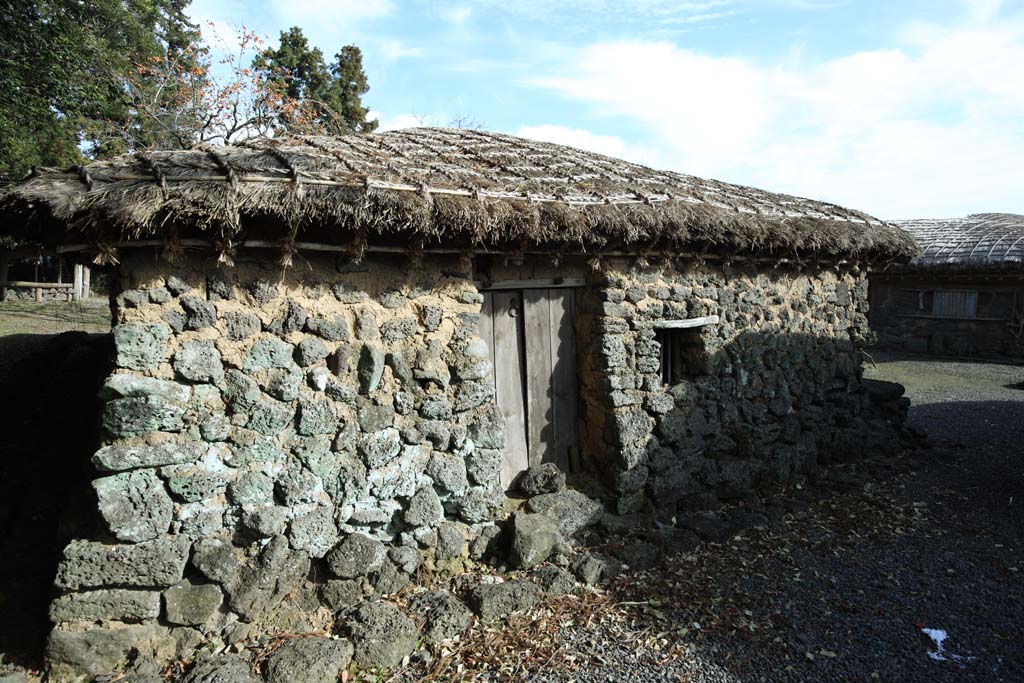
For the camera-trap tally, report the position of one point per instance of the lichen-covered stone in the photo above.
(269, 417)
(317, 417)
(483, 466)
(114, 604)
(366, 326)
(357, 555)
(252, 488)
(452, 540)
(481, 503)
(331, 329)
(269, 352)
(117, 458)
(299, 486)
(200, 481)
(127, 417)
(488, 429)
(571, 510)
(265, 521)
(141, 346)
(126, 385)
(199, 361)
(217, 559)
(191, 604)
(88, 564)
(315, 532)
(448, 472)
(134, 504)
(84, 655)
(379, 448)
(382, 635)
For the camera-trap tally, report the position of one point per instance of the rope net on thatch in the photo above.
(440, 187)
(981, 241)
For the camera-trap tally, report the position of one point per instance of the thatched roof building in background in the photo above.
(964, 293)
(981, 241)
(426, 187)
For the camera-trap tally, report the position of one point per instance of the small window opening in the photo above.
(955, 304)
(683, 354)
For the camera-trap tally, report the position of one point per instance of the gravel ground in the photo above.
(840, 590)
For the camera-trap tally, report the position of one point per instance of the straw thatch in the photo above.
(427, 187)
(981, 241)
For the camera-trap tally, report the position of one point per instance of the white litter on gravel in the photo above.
(939, 636)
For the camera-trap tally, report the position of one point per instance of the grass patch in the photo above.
(54, 317)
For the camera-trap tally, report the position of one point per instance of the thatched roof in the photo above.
(428, 187)
(981, 241)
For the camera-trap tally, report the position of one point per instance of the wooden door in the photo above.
(532, 338)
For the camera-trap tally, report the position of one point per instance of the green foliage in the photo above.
(331, 97)
(62, 67)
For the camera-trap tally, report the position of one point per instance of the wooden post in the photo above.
(86, 281)
(39, 295)
(77, 290)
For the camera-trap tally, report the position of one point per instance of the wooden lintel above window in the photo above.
(685, 323)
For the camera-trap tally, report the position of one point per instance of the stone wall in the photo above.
(779, 391)
(267, 425)
(901, 315)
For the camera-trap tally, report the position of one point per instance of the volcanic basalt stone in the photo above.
(374, 418)
(263, 584)
(444, 616)
(382, 635)
(543, 478)
(348, 294)
(357, 555)
(331, 329)
(269, 417)
(553, 580)
(594, 568)
(119, 458)
(379, 448)
(193, 483)
(572, 510)
(134, 504)
(310, 659)
(265, 521)
(217, 559)
(481, 503)
(397, 329)
(370, 368)
(281, 383)
(424, 508)
(115, 604)
(189, 604)
(74, 655)
(469, 395)
(127, 417)
(269, 352)
(199, 313)
(298, 486)
(452, 540)
(341, 594)
(89, 564)
(126, 385)
(448, 472)
(252, 488)
(199, 361)
(431, 315)
(219, 286)
(488, 429)
(534, 537)
(310, 351)
(495, 602)
(315, 532)
(222, 668)
(366, 326)
(141, 346)
(317, 417)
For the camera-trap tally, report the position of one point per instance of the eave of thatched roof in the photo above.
(982, 242)
(432, 187)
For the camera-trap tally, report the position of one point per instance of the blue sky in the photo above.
(903, 108)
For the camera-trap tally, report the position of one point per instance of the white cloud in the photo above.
(934, 126)
(313, 12)
(609, 145)
(392, 49)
